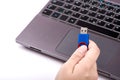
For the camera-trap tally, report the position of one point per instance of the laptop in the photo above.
(54, 31)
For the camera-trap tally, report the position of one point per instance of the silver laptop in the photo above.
(54, 31)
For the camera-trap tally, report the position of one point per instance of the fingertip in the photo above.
(93, 45)
(82, 48)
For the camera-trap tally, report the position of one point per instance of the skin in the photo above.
(81, 65)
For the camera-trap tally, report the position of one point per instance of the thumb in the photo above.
(76, 56)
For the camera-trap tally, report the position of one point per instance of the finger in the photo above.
(76, 56)
(93, 52)
(91, 55)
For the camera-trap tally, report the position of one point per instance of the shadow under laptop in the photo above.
(39, 53)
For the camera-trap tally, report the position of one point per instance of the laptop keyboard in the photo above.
(97, 15)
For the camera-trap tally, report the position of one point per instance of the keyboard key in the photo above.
(110, 8)
(93, 14)
(72, 20)
(83, 17)
(68, 6)
(108, 19)
(55, 15)
(77, 15)
(117, 22)
(109, 3)
(102, 6)
(83, 11)
(47, 12)
(101, 23)
(56, 2)
(76, 8)
(110, 26)
(110, 14)
(94, 3)
(59, 9)
(93, 8)
(70, 1)
(86, 6)
(118, 10)
(93, 20)
(117, 28)
(117, 16)
(102, 11)
(99, 16)
(97, 28)
(86, 1)
(52, 7)
(115, 5)
(77, 3)
(64, 17)
(68, 12)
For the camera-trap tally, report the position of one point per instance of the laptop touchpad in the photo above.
(69, 43)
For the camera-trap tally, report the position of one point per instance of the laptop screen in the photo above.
(114, 1)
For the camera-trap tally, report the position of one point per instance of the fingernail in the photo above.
(82, 49)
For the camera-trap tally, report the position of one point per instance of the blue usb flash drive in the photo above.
(83, 37)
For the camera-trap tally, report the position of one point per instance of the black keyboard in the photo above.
(97, 15)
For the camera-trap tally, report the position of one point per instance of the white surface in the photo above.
(17, 62)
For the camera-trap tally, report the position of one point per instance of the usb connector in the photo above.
(83, 37)
(83, 30)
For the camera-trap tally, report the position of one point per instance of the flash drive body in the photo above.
(83, 37)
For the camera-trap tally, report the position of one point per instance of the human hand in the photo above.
(81, 65)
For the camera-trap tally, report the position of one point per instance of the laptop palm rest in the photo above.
(110, 50)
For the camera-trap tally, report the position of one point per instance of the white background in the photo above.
(17, 62)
